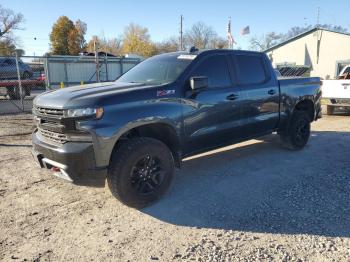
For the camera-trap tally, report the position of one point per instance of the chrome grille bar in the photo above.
(49, 111)
(53, 136)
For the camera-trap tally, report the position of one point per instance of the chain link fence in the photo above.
(23, 78)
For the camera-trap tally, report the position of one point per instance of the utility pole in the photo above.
(318, 17)
(181, 33)
(97, 62)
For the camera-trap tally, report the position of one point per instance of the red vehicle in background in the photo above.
(41, 77)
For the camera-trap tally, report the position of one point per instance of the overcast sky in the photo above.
(109, 17)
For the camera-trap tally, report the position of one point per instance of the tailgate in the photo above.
(336, 89)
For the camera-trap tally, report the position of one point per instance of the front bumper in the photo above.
(341, 102)
(73, 161)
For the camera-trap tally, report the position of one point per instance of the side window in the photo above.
(7, 62)
(216, 69)
(250, 69)
(10, 62)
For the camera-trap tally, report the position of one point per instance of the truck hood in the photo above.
(87, 95)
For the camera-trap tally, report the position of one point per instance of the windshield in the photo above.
(160, 69)
(347, 70)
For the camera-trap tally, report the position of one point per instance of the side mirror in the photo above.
(198, 82)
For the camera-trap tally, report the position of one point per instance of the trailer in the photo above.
(11, 88)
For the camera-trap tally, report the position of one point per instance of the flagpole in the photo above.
(229, 34)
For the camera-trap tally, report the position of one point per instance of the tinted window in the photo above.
(216, 69)
(159, 69)
(250, 69)
(347, 70)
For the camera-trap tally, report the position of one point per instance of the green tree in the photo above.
(66, 37)
(136, 40)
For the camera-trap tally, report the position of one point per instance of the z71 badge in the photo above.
(165, 92)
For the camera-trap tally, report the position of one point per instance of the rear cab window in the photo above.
(250, 69)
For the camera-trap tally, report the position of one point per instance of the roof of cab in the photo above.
(210, 51)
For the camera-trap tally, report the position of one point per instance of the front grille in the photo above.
(48, 111)
(53, 136)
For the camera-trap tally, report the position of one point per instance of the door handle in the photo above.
(232, 97)
(271, 92)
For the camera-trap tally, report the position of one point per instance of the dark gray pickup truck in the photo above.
(136, 130)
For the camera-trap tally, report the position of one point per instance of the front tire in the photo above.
(298, 132)
(140, 171)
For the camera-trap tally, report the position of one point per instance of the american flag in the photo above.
(230, 39)
(245, 30)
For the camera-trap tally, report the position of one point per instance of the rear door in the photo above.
(212, 115)
(260, 92)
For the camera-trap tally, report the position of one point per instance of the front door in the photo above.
(211, 115)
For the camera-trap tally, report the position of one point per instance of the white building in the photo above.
(325, 51)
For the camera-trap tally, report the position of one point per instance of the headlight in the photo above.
(84, 112)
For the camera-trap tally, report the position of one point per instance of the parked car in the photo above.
(8, 69)
(336, 93)
(136, 130)
(41, 77)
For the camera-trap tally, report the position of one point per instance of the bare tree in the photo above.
(297, 30)
(169, 45)
(111, 45)
(265, 41)
(219, 43)
(270, 39)
(9, 22)
(200, 35)
(81, 28)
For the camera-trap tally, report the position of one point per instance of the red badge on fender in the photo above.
(165, 92)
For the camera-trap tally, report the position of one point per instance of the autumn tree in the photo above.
(136, 40)
(9, 22)
(66, 37)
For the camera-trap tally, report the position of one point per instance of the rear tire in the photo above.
(330, 110)
(140, 171)
(26, 75)
(298, 131)
(27, 91)
(13, 93)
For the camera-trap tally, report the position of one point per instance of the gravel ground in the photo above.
(250, 202)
